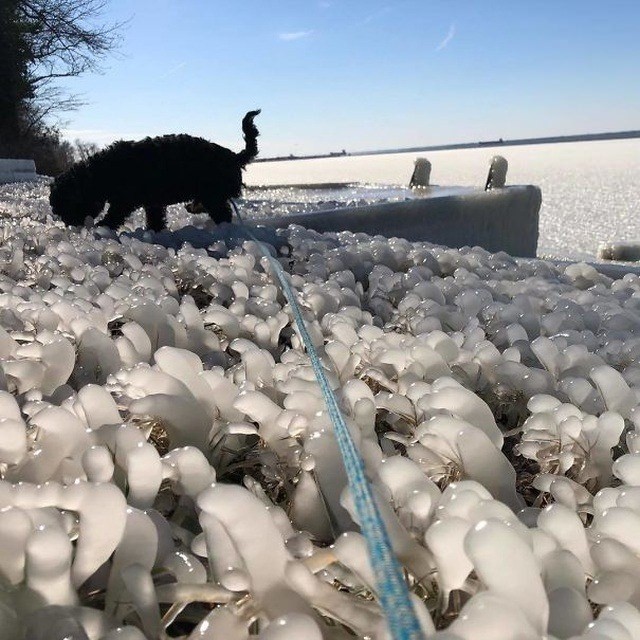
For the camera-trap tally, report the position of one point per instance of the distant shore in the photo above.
(585, 137)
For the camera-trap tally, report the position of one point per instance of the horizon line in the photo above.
(580, 137)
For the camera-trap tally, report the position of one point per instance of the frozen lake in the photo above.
(590, 190)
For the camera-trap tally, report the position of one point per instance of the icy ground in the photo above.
(168, 469)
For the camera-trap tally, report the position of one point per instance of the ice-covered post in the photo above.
(497, 173)
(421, 173)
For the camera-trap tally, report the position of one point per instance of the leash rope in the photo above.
(392, 588)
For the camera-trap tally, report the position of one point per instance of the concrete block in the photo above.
(17, 170)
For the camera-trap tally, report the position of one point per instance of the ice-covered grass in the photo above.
(168, 469)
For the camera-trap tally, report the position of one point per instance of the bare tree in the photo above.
(65, 40)
(83, 150)
(41, 42)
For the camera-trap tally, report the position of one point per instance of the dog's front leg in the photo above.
(116, 215)
(156, 216)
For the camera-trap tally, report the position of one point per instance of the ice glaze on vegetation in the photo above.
(168, 469)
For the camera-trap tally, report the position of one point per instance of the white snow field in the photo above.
(168, 469)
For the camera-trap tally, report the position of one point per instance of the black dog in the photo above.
(153, 173)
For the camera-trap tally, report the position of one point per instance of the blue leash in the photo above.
(392, 588)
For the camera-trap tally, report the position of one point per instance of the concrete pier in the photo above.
(17, 170)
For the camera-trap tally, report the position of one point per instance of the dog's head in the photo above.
(72, 197)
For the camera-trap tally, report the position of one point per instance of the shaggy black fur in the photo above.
(153, 173)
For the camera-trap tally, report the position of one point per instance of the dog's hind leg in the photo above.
(194, 207)
(156, 216)
(116, 215)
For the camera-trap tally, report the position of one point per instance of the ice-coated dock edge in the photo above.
(497, 220)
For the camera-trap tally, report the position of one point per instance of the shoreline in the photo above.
(585, 137)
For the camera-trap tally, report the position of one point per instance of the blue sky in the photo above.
(356, 75)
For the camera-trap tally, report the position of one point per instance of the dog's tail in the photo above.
(251, 134)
